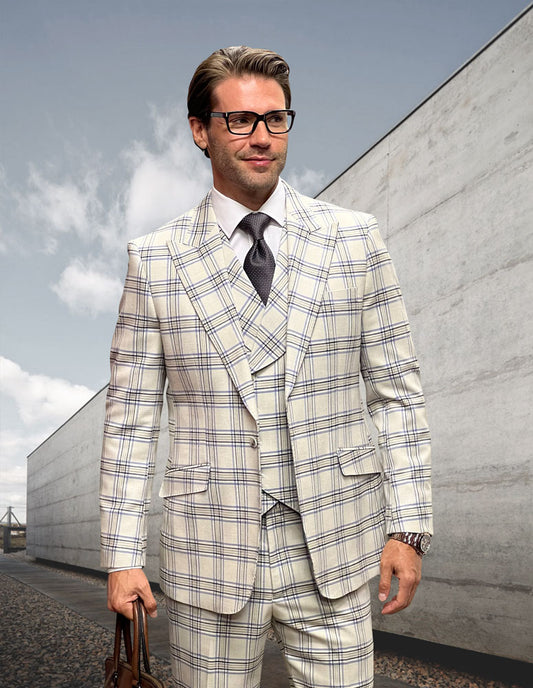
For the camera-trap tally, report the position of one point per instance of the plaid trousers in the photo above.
(327, 643)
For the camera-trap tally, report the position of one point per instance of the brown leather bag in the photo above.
(120, 673)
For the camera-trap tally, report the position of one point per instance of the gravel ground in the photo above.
(45, 643)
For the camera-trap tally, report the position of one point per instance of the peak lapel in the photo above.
(311, 241)
(202, 269)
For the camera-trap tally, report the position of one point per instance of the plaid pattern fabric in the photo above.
(178, 322)
(326, 643)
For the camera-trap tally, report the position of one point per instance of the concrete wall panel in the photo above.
(63, 480)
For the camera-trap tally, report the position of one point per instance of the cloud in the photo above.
(149, 184)
(104, 206)
(307, 181)
(166, 178)
(14, 447)
(13, 451)
(59, 208)
(4, 196)
(85, 289)
(13, 476)
(43, 402)
(3, 244)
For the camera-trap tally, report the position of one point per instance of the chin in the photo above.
(264, 179)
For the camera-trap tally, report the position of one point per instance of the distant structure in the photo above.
(9, 517)
(451, 186)
(13, 536)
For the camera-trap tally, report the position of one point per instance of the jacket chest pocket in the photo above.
(339, 315)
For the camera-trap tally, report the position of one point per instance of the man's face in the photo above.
(245, 168)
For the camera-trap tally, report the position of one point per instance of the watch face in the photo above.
(425, 543)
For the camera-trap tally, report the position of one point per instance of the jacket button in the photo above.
(253, 442)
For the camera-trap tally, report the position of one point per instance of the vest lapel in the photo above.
(270, 337)
(263, 327)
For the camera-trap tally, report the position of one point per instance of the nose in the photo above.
(261, 136)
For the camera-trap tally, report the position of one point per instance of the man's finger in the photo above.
(384, 581)
(149, 602)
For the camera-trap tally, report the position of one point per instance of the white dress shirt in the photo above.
(229, 213)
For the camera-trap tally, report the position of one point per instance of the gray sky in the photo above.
(95, 149)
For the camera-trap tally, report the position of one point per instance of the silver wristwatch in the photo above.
(420, 542)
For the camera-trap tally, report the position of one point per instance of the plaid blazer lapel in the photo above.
(201, 266)
(311, 240)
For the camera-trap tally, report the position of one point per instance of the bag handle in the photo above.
(137, 654)
(140, 641)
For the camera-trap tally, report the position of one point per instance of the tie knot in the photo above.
(255, 224)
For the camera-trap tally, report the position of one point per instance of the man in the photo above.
(262, 323)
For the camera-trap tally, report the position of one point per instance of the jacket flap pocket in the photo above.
(181, 480)
(359, 460)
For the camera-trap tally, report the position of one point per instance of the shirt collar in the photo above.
(229, 212)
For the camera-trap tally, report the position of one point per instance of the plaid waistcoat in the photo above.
(278, 481)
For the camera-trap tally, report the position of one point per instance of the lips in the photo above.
(259, 162)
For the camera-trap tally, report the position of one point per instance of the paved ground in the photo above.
(89, 601)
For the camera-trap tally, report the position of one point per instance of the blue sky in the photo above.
(95, 149)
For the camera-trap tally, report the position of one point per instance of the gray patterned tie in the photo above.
(259, 263)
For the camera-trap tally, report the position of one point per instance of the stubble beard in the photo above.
(260, 181)
(254, 182)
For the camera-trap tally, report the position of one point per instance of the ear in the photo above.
(199, 132)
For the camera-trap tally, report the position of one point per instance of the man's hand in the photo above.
(402, 561)
(124, 587)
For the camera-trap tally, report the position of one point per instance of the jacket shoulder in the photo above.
(322, 211)
(177, 229)
(346, 217)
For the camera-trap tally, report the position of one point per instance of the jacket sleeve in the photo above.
(131, 430)
(394, 394)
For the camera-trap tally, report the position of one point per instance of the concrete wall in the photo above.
(62, 518)
(63, 483)
(452, 188)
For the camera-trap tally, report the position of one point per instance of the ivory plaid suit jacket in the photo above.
(178, 326)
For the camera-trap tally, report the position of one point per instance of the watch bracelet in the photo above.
(414, 540)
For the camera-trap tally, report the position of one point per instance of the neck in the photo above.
(252, 199)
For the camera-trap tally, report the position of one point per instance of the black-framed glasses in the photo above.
(244, 122)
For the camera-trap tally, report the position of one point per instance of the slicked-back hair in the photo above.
(234, 62)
